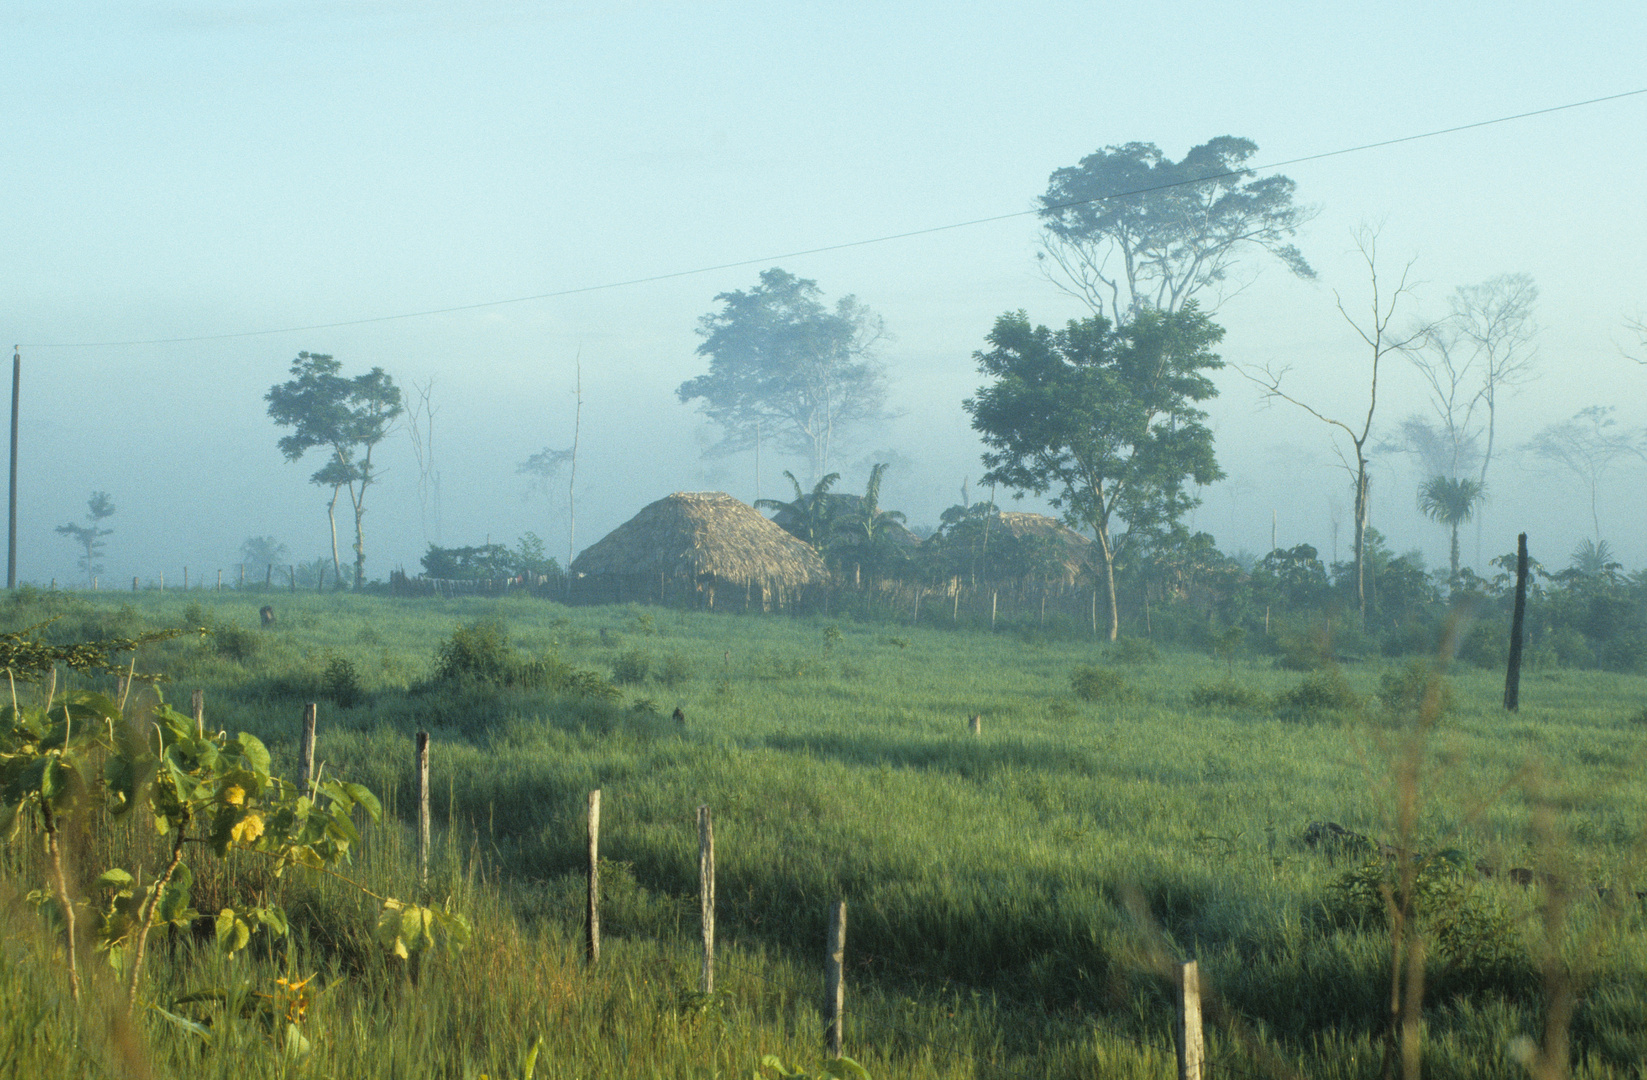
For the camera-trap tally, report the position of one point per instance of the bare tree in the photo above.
(1375, 333)
(1638, 327)
(545, 465)
(422, 429)
(1586, 446)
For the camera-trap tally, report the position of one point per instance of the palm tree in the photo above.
(1450, 503)
(811, 517)
(870, 519)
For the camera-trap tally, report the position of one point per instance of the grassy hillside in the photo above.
(1015, 899)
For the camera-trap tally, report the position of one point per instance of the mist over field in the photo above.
(185, 171)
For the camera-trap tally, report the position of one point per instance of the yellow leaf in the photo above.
(248, 829)
(235, 795)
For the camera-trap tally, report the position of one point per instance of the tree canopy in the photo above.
(347, 417)
(90, 535)
(1129, 228)
(1101, 416)
(784, 366)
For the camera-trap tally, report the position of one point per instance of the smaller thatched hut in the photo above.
(1069, 550)
(691, 544)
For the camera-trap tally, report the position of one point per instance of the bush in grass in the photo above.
(631, 668)
(1226, 695)
(342, 682)
(235, 643)
(674, 670)
(476, 652)
(1405, 689)
(1325, 691)
(1131, 650)
(1487, 644)
(1098, 684)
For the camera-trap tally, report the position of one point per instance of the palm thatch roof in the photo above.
(1071, 547)
(692, 534)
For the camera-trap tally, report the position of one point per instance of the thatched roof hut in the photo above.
(698, 540)
(1070, 548)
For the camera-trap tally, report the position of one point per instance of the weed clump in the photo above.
(235, 643)
(341, 682)
(1325, 691)
(674, 670)
(479, 654)
(1407, 690)
(1129, 650)
(1098, 684)
(1227, 694)
(631, 668)
(475, 653)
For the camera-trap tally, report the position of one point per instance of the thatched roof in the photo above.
(693, 533)
(1073, 548)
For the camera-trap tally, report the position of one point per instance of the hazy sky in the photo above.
(182, 169)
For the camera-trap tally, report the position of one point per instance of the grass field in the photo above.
(1015, 899)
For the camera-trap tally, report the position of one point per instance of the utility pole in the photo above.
(11, 535)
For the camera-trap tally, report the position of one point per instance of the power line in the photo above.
(887, 238)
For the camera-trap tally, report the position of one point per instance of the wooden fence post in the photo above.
(423, 805)
(592, 927)
(706, 898)
(994, 599)
(976, 724)
(306, 746)
(198, 701)
(292, 572)
(185, 579)
(162, 582)
(835, 973)
(1192, 1051)
(134, 583)
(1512, 669)
(220, 581)
(268, 577)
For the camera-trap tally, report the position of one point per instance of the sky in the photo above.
(190, 170)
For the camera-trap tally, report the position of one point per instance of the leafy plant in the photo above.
(476, 652)
(1325, 691)
(1416, 686)
(342, 682)
(644, 624)
(832, 637)
(1098, 684)
(841, 1068)
(1227, 694)
(631, 668)
(674, 671)
(210, 791)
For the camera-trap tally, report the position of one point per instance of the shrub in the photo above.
(342, 682)
(477, 652)
(1486, 645)
(1131, 650)
(1309, 649)
(1098, 684)
(1325, 691)
(195, 615)
(631, 668)
(1227, 694)
(674, 670)
(235, 643)
(1406, 689)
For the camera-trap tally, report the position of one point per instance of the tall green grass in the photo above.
(1014, 899)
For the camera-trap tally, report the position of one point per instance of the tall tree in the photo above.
(785, 367)
(1102, 416)
(90, 535)
(1375, 333)
(1129, 228)
(1587, 446)
(347, 417)
(1450, 502)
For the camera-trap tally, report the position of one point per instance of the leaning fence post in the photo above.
(706, 898)
(592, 937)
(198, 701)
(835, 974)
(1192, 1051)
(306, 746)
(423, 805)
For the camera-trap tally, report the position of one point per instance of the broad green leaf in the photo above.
(184, 1023)
(232, 931)
(113, 879)
(255, 753)
(844, 1068)
(366, 799)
